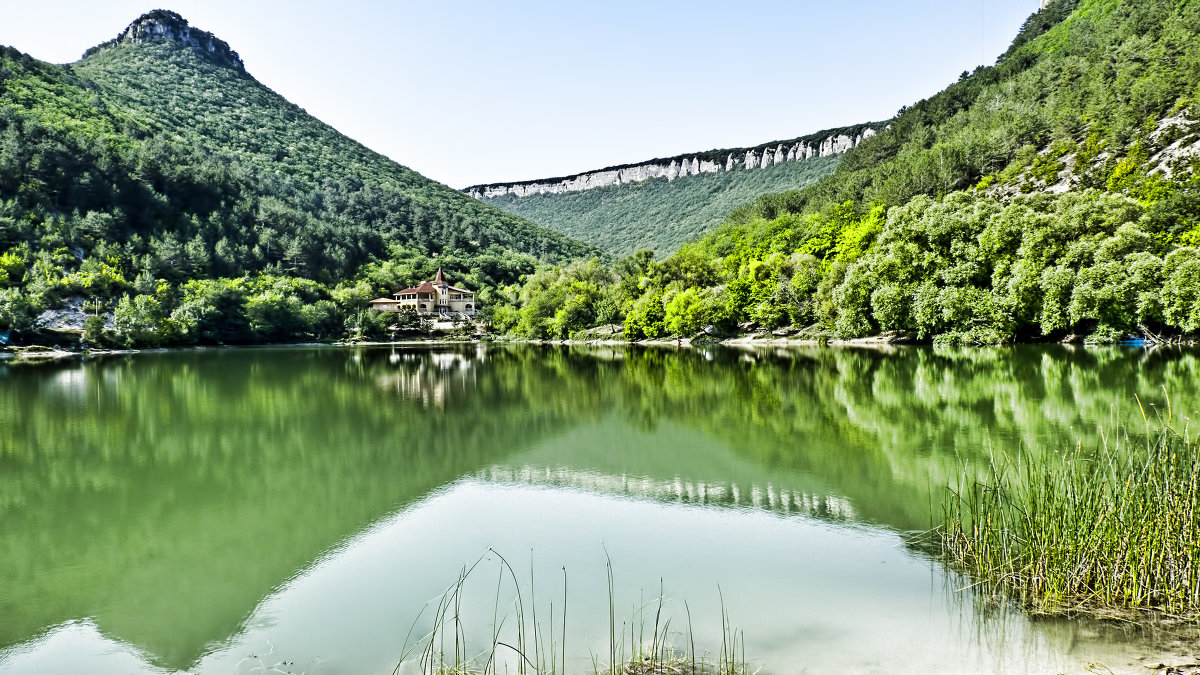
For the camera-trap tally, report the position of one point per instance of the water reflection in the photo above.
(132, 487)
(679, 491)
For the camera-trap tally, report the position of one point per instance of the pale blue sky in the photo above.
(469, 92)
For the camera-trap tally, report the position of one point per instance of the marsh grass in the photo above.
(1111, 532)
(523, 643)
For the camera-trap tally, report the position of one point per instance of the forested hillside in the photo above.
(1054, 195)
(161, 183)
(657, 214)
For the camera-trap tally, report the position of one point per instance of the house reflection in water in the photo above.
(430, 378)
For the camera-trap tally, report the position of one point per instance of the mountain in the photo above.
(157, 164)
(1052, 196)
(661, 203)
(1085, 85)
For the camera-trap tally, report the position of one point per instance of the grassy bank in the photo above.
(1112, 531)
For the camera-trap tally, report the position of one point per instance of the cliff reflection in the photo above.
(132, 487)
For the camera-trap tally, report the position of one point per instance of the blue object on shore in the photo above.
(4, 338)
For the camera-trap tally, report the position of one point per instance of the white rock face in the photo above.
(679, 167)
(70, 317)
(1180, 152)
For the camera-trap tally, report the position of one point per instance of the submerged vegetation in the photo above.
(1108, 532)
(519, 642)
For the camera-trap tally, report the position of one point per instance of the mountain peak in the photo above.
(162, 24)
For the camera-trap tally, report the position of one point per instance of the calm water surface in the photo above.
(234, 510)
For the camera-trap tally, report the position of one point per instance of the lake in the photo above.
(236, 510)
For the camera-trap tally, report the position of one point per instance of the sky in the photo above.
(469, 92)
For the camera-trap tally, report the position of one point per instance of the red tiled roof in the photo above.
(425, 287)
(432, 286)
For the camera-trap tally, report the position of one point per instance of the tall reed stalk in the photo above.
(1109, 532)
(649, 651)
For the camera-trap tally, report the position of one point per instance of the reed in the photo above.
(1110, 532)
(534, 648)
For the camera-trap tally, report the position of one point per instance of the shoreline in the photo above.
(29, 354)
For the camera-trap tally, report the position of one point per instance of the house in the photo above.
(431, 297)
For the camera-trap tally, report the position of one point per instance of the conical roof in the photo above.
(432, 286)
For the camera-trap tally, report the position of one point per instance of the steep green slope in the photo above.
(1085, 85)
(156, 163)
(656, 214)
(1055, 195)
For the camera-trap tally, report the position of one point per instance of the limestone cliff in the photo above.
(821, 144)
(162, 24)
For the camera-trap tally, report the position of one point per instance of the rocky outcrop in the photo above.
(1179, 138)
(822, 144)
(162, 25)
(70, 317)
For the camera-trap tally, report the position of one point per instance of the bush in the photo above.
(93, 330)
(647, 318)
(686, 312)
(139, 321)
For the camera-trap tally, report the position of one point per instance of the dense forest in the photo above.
(182, 202)
(657, 214)
(1054, 195)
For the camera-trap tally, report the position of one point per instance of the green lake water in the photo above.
(236, 510)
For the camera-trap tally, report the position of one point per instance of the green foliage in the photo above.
(1048, 165)
(1180, 295)
(966, 269)
(1112, 533)
(856, 236)
(647, 318)
(212, 310)
(93, 330)
(274, 315)
(657, 214)
(1082, 77)
(16, 310)
(12, 268)
(139, 320)
(689, 311)
(923, 230)
(149, 163)
(560, 301)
